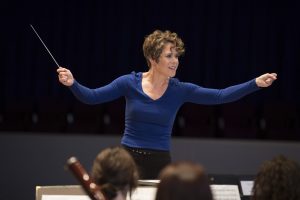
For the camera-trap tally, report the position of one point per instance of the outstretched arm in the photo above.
(92, 96)
(200, 95)
(266, 80)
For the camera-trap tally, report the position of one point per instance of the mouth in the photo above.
(173, 68)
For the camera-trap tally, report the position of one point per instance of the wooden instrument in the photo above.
(91, 188)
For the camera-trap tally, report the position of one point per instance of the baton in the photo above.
(44, 45)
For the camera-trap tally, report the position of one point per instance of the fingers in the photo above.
(63, 72)
(65, 76)
(273, 76)
(269, 81)
(270, 77)
(266, 80)
(62, 69)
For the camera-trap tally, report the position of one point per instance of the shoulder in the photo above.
(174, 82)
(128, 77)
(179, 84)
(176, 85)
(128, 80)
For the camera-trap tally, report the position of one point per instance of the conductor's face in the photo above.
(168, 61)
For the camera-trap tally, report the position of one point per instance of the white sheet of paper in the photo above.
(247, 187)
(143, 193)
(225, 192)
(65, 197)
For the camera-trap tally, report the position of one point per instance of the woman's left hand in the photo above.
(266, 80)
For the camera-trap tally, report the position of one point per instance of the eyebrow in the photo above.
(170, 52)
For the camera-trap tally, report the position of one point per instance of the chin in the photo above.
(172, 75)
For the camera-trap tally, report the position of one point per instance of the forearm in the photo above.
(94, 96)
(210, 96)
(236, 92)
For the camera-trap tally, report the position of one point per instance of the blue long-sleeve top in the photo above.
(148, 122)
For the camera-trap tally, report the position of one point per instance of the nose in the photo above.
(175, 59)
(176, 62)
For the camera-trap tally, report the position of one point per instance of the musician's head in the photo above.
(183, 180)
(278, 178)
(115, 171)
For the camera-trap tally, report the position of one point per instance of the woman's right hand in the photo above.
(65, 76)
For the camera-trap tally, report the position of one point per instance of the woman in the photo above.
(115, 172)
(154, 97)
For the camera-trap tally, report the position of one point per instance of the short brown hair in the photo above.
(183, 180)
(115, 170)
(156, 41)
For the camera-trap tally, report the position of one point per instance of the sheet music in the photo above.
(141, 193)
(247, 187)
(65, 197)
(225, 192)
(220, 192)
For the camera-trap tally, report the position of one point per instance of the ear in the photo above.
(152, 61)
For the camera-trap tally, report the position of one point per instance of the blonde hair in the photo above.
(156, 41)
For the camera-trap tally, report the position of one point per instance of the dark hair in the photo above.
(156, 41)
(115, 170)
(183, 181)
(277, 179)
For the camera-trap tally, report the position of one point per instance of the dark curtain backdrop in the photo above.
(227, 42)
